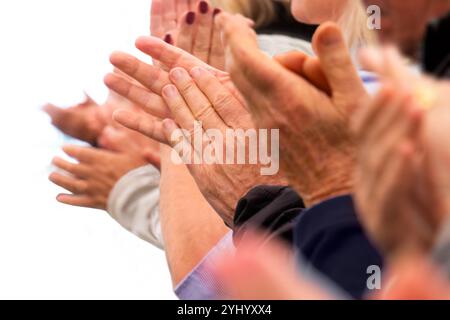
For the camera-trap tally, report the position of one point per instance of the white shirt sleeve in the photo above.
(134, 204)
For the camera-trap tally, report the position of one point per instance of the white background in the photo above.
(52, 50)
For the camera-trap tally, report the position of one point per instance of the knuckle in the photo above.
(187, 87)
(204, 112)
(81, 187)
(223, 99)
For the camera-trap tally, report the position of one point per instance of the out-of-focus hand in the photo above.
(433, 98)
(82, 121)
(91, 180)
(317, 147)
(200, 96)
(394, 192)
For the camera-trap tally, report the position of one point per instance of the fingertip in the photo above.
(70, 149)
(140, 41)
(169, 91)
(169, 125)
(145, 43)
(109, 79)
(116, 57)
(328, 35)
(120, 115)
(196, 72)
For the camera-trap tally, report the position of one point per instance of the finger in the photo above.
(56, 114)
(313, 72)
(156, 19)
(82, 154)
(371, 59)
(193, 5)
(181, 112)
(147, 100)
(168, 55)
(367, 116)
(186, 32)
(255, 74)
(393, 120)
(143, 124)
(228, 108)
(293, 60)
(78, 201)
(199, 105)
(217, 52)
(335, 59)
(202, 43)
(182, 6)
(77, 170)
(169, 16)
(71, 184)
(306, 67)
(180, 141)
(248, 60)
(406, 120)
(151, 77)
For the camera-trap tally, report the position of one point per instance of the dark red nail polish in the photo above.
(216, 11)
(168, 39)
(190, 18)
(203, 7)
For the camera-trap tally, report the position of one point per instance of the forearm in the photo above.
(190, 227)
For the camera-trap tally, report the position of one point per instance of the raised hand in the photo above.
(198, 96)
(409, 115)
(91, 180)
(393, 180)
(317, 147)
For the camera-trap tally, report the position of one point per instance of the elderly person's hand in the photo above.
(402, 177)
(393, 184)
(91, 180)
(198, 96)
(317, 147)
(83, 121)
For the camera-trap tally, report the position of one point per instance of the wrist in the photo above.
(338, 184)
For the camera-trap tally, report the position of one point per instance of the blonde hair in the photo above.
(263, 12)
(353, 22)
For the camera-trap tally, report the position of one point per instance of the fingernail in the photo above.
(178, 74)
(190, 18)
(216, 11)
(170, 91)
(168, 39)
(196, 72)
(203, 7)
(330, 38)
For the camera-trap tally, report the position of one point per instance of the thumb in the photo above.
(335, 59)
